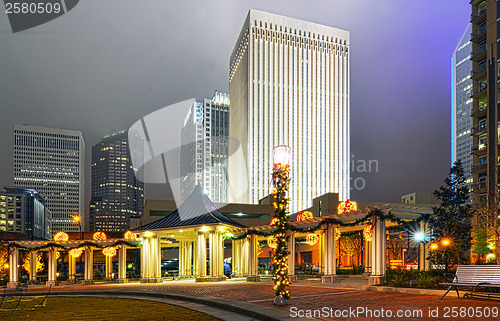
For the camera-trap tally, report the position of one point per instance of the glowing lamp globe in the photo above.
(445, 242)
(99, 236)
(75, 252)
(282, 155)
(109, 251)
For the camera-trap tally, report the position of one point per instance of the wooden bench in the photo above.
(474, 276)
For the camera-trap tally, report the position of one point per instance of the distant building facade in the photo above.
(461, 120)
(204, 149)
(417, 198)
(117, 195)
(51, 161)
(289, 85)
(23, 210)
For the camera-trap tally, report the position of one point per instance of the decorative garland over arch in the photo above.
(370, 217)
(53, 245)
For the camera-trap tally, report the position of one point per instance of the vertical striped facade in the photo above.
(289, 85)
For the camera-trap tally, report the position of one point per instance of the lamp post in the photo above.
(78, 220)
(281, 182)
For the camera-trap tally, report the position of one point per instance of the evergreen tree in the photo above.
(452, 220)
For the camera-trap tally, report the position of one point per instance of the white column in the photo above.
(32, 256)
(189, 271)
(378, 249)
(145, 258)
(424, 248)
(156, 254)
(71, 267)
(181, 259)
(195, 258)
(202, 255)
(329, 251)
(368, 256)
(89, 264)
(291, 256)
(109, 267)
(253, 260)
(122, 263)
(13, 268)
(215, 252)
(244, 258)
(52, 268)
(221, 253)
(236, 257)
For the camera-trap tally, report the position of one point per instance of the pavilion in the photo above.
(198, 220)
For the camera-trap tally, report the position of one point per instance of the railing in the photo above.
(478, 71)
(475, 149)
(477, 52)
(479, 89)
(479, 186)
(479, 33)
(477, 110)
(478, 128)
(479, 13)
(478, 167)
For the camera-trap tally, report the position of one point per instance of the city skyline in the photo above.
(93, 109)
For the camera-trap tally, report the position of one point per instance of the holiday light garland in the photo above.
(61, 236)
(281, 183)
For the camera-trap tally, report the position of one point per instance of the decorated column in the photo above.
(145, 274)
(13, 266)
(281, 182)
(244, 258)
(89, 265)
(202, 255)
(52, 267)
(378, 250)
(122, 264)
(109, 267)
(72, 255)
(215, 251)
(367, 236)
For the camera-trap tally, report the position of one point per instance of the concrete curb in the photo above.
(255, 311)
(390, 289)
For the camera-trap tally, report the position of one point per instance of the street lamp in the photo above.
(78, 220)
(445, 242)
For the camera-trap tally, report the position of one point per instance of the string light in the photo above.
(347, 206)
(75, 252)
(337, 234)
(272, 242)
(61, 237)
(367, 233)
(109, 251)
(312, 239)
(99, 236)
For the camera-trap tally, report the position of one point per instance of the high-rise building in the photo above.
(289, 85)
(461, 120)
(117, 195)
(484, 102)
(51, 161)
(204, 149)
(23, 210)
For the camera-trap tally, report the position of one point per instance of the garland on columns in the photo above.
(62, 247)
(281, 182)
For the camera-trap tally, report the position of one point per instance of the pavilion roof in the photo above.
(197, 209)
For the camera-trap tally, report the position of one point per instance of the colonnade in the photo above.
(52, 266)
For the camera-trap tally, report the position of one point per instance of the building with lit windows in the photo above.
(461, 120)
(204, 149)
(23, 210)
(485, 75)
(289, 85)
(51, 161)
(117, 195)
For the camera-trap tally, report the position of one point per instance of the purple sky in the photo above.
(107, 63)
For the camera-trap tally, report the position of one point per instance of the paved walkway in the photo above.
(345, 301)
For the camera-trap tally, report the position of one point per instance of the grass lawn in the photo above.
(90, 308)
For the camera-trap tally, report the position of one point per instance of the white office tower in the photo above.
(289, 85)
(51, 161)
(461, 109)
(204, 148)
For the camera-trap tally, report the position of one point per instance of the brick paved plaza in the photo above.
(312, 295)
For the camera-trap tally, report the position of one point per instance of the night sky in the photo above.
(105, 64)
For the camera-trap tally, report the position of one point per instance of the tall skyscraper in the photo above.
(461, 120)
(117, 195)
(484, 102)
(51, 161)
(289, 85)
(204, 149)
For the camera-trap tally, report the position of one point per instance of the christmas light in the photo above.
(337, 234)
(434, 246)
(367, 233)
(99, 236)
(272, 242)
(75, 252)
(312, 239)
(304, 215)
(61, 237)
(347, 206)
(129, 235)
(109, 251)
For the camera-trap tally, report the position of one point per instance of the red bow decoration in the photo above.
(375, 219)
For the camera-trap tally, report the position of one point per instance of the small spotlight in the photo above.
(445, 242)
(419, 236)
